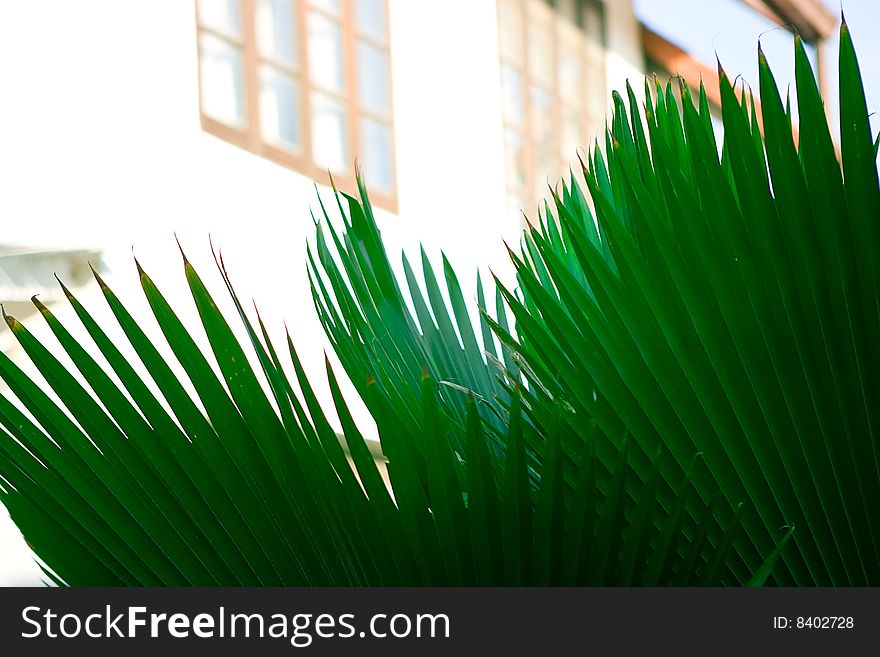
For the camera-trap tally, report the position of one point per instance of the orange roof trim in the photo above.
(811, 18)
(678, 62)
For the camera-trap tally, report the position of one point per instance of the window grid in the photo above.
(572, 29)
(301, 157)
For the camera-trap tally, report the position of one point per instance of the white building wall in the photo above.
(101, 147)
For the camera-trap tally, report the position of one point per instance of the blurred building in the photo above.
(127, 122)
(309, 84)
(135, 120)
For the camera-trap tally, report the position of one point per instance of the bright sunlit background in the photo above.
(124, 123)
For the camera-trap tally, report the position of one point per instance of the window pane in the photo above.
(595, 90)
(540, 53)
(378, 159)
(325, 53)
(331, 6)
(545, 175)
(594, 21)
(570, 77)
(224, 16)
(373, 78)
(279, 108)
(222, 80)
(275, 31)
(510, 31)
(570, 64)
(329, 140)
(371, 18)
(514, 156)
(512, 94)
(542, 117)
(572, 138)
(570, 10)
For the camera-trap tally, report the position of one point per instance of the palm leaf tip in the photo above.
(683, 299)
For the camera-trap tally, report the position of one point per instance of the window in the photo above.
(305, 83)
(552, 56)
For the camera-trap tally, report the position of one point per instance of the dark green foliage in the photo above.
(727, 306)
(689, 393)
(126, 493)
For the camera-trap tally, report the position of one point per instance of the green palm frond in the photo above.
(121, 485)
(727, 305)
(689, 394)
(374, 333)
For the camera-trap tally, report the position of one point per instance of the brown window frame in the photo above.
(547, 11)
(249, 137)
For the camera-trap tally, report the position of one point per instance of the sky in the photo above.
(704, 27)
